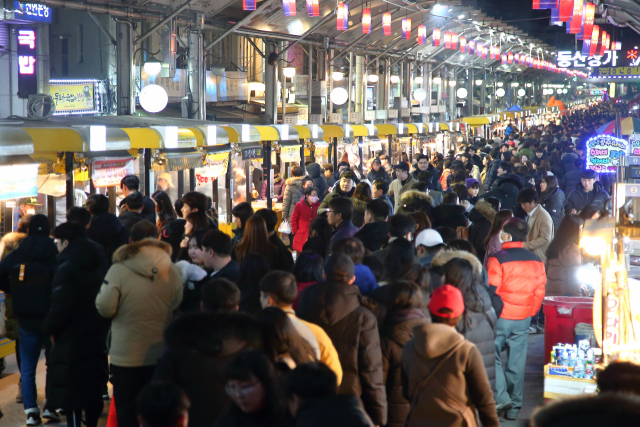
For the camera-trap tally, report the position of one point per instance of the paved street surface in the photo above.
(14, 415)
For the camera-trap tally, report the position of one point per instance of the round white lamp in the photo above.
(394, 79)
(418, 80)
(499, 92)
(153, 98)
(452, 83)
(461, 93)
(437, 80)
(337, 76)
(339, 95)
(522, 92)
(419, 94)
(373, 78)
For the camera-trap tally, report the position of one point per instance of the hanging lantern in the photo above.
(536, 4)
(601, 45)
(454, 41)
(589, 12)
(595, 36)
(575, 24)
(366, 21)
(289, 7)
(472, 47)
(435, 37)
(406, 28)
(463, 44)
(343, 17)
(484, 52)
(516, 58)
(447, 39)
(386, 23)
(510, 58)
(504, 58)
(422, 34)
(248, 4)
(313, 8)
(565, 10)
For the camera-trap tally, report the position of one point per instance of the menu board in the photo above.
(108, 172)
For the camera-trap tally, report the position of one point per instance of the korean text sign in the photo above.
(108, 172)
(32, 12)
(604, 153)
(73, 97)
(18, 181)
(27, 77)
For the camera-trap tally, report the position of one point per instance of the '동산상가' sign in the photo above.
(604, 153)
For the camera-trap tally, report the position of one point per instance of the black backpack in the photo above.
(31, 285)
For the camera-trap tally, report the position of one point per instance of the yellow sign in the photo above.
(615, 71)
(73, 97)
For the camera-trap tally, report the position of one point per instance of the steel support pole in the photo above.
(358, 107)
(267, 166)
(330, 78)
(451, 94)
(192, 179)
(349, 85)
(68, 170)
(125, 69)
(147, 169)
(310, 84)
(470, 83)
(271, 86)
(195, 67)
(283, 82)
(164, 21)
(483, 92)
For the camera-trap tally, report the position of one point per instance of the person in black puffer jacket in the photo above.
(481, 217)
(479, 320)
(77, 365)
(506, 189)
(449, 213)
(416, 200)
(379, 173)
(105, 228)
(572, 178)
(316, 172)
(588, 192)
(552, 200)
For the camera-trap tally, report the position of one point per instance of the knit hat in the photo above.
(39, 226)
(470, 181)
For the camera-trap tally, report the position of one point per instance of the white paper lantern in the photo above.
(461, 93)
(522, 92)
(289, 72)
(339, 95)
(500, 92)
(373, 78)
(337, 76)
(153, 98)
(420, 94)
(394, 79)
(152, 68)
(418, 80)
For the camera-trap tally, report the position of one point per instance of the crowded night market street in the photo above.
(276, 213)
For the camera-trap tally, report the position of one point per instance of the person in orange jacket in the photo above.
(517, 275)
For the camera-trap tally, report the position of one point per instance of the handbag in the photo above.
(285, 227)
(467, 412)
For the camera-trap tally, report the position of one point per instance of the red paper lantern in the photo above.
(447, 39)
(406, 28)
(248, 4)
(422, 34)
(343, 17)
(435, 37)
(589, 12)
(386, 23)
(463, 44)
(454, 41)
(510, 58)
(289, 7)
(595, 36)
(366, 21)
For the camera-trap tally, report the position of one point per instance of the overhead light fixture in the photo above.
(152, 66)
(522, 92)
(373, 78)
(461, 93)
(460, 16)
(528, 85)
(289, 72)
(394, 79)
(478, 82)
(452, 83)
(437, 80)
(337, 76)
(499, 84)
(500, 92)
(515, 84)
(418, 80)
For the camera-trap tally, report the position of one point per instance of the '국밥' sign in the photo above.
(604, 153)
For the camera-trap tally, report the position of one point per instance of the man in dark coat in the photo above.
(339, 216)
(588, 192)
(423, 165)
(481, 217)
(105, 229)
(319, 181)
(335, 306)
(492, 170)
(77, 365)
(375, 232)
(449, 213)
(130, 184)
(311, 391)
(133, 215)
(572, 178)
(27, 274)
(377, 172)
(506, 189)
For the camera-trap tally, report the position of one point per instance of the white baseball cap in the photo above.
(429, 238)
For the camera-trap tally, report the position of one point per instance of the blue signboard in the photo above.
(32, 12)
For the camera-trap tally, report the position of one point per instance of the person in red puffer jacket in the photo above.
(517, 275)
(305, 211)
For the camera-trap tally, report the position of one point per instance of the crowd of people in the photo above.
(408, 283)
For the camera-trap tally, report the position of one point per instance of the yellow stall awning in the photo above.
(15, 142)
(312, 131)
(476, 121)
(143, 137)
(213, 135)
(250, 133)
(79, 139)
(360, 130)
(385, 130)
(332, 131)
(282, 133)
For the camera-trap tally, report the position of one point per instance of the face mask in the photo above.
(313, 199)
(500, 238)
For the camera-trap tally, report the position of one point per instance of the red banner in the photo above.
(366, 21)
(589, 13)
(566, 9)
(575, 24)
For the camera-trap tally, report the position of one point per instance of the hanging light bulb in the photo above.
(373, 78)
(386, 23)
(437, 80)
(289, 72)
(394, 79)
(515, 84)
(418, 80)
(499, 84)
(478, 82)
(452, 83)
(337, 76)
(366, 21)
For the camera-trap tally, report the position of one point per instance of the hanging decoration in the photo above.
(504, 58)
(603, 42)
(447, 39)
(342, 17)
(313, 8)
(454, 41)
(435, 37)
(595, 36)
(575, 24)
(248, 4)
(484, 52)
(565, 9)
(472, 47)
(386, 23)
(366, 21)
(510, 58)
(463, 44)
(289, 7)
(406, 28)
(589, 14)
(422, 34)
(516, 58)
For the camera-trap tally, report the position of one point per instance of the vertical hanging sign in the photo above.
(406, 28)
(313, 8)
(595, 36)
(342, 17)
(366, 21)
(589, 12)
(576, 20)
(422, 34)
(27, 78)
(454, 41)
(566, 9)
(386, 23)
(435, 37)
(248, 4)
(447, 39)
(463, 44)
(472, 47)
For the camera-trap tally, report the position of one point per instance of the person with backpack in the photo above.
(27, 273)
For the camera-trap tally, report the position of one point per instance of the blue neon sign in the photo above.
(32, 12)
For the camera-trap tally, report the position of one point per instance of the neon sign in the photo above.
(604, 153)
(32, 12)
(27, 78)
